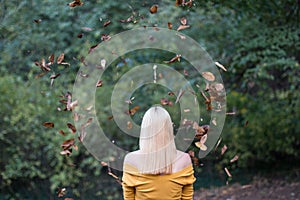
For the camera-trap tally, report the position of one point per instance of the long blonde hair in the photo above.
(157, 143)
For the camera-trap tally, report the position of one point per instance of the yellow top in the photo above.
(175, 186)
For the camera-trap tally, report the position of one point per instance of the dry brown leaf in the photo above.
(153, 9)
(48, 124)
(221, 66)
(60, 58)
(99, 83)
(182, 27)
(181, 92)
(174, 59)
(71, 127)
(129, 125)
(183, 21)
(235, 158)
(75, 3)
(170, 25)
(106, 23)
(223, 150)
(227, 172)
(208, 76)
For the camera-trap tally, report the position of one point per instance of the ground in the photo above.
(258, 189)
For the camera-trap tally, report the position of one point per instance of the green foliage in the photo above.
(257, 41)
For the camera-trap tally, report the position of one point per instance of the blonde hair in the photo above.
(157, 143)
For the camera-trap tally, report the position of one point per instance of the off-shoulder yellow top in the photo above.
(175, 186)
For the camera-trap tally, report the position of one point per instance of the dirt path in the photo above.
(259, 189)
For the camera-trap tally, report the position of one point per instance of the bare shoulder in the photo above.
(182, 161)
(131, 158)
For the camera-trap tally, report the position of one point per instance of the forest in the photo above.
(44, 48)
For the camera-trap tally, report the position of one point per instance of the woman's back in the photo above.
(177, 185)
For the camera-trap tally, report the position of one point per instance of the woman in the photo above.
(157, 170)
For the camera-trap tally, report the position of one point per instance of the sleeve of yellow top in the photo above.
(187, 192)
(128, 188)
(128, 192)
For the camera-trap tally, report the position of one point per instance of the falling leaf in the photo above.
(89, 108)
(75, 147)
(103, 63)
(54, 76)
(199, 130)
(62, 133)
(171, 93)
(170, 25)
(37, 21)
(218, 143)
(129, 19)
(191, 153)
(60, 58)
(83, 74)
(165, 101)
(189, 3)
(207, 101)
(195, 161)
(230, 113)
(104, 164)
(221, 66)
(181, 36)
(227, 172)
(218, 87)
(185, 72)
(133, 110)
(72, 105)
(208, 76)
(235, 158)
(176, 58)
(201, 146)
(51, 58)
(214, 121)
(99, 83)
(129, 125)
(61, 192)
(181, 92)
(87, 29)
(76, 117)
(48, 124)
(153, 9)
(178, 2)
(71, 127)
(105, 37)
(75, 3)
(183, 21)
(106, 23)
(68, 143)
(182, 27)
(110, 117)
(88, 122)
(66, 152)
(92, 48)
(82, 133)
(223, 150)
(186, 122)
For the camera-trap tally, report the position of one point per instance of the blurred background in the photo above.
(257, 41)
